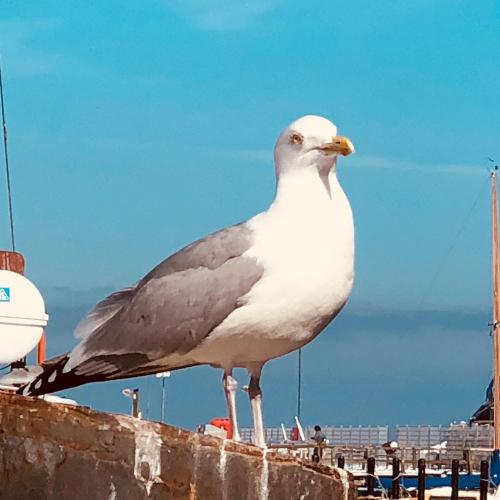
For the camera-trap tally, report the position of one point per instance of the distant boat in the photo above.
(484, 414)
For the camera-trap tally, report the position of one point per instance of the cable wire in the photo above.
(452, 246)
(7, 169)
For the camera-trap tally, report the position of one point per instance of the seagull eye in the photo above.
(296, 139)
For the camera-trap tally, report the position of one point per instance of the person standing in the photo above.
(319, 438)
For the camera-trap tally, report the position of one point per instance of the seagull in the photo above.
(237, 298)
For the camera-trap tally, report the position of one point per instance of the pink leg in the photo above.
(230, 388)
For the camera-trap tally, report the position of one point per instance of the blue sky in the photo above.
(137, 127)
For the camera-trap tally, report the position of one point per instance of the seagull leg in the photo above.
(230, 388)
(255, 394)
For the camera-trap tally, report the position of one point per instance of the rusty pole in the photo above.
(396, 473)
(455, 485)
(370, 476)
(485, 480)
(421, 479)
(496, 310)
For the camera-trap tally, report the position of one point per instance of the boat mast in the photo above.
(496, 310)
(6, 156)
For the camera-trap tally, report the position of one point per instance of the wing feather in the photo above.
(174, 307)
(103, 312)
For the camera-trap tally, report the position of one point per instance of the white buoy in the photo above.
(22, 316)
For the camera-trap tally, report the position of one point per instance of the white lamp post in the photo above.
(133, 394)
(163, 376)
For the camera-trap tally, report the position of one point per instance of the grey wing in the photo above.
(103, 312)
(173, 308)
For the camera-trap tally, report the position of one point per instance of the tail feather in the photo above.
(55, 377)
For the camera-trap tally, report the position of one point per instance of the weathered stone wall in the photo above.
(53, 451)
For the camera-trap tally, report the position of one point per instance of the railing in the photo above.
(336, 435)
(457, 436)
(354, 436)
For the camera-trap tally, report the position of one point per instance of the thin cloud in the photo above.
(372, 163)
(255, 155)
(222, 15)
(21, 55)
(19, 51)
(375, 162)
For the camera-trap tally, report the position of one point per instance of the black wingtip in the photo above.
(50, 380)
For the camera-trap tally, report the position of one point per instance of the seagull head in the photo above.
(310, 142)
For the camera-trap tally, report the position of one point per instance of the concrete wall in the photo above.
(53, 451)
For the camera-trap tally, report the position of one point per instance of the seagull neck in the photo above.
(307, 187)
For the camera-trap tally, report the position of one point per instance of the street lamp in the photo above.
(163, 376)
(133, 394)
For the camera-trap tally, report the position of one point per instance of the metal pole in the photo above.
(299, 385)
(421, 479)
(396, 492)
(454, 479)
(41, 354)
(485, 480)
(135, 403)
(370, 476)
(496, 311)
(163, 400)
(7, 169)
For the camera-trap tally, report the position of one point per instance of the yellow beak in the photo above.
(340, 145)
